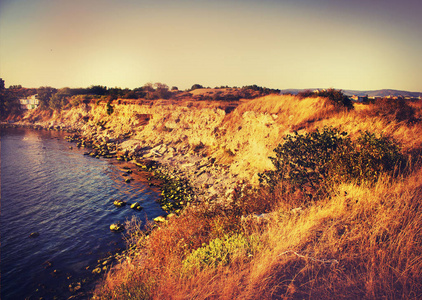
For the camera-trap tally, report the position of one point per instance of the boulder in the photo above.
(34, 235)
(136, 206)
(160, 219)
(119, 203)
(117, 227)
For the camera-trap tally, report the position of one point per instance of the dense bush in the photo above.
(131, 95)
(196, 86)
(98, 90)
(9, 102)
(59, 99)
(44, 94)
(313, 162)
(393, 109)
(260, 89)
(367, 158)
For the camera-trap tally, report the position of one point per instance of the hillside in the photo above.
(353, 238)
(369, 93)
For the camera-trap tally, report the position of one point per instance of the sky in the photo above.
(359, 44)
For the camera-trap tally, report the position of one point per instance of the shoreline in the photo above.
(209, 181)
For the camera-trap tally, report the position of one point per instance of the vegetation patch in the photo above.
(176, 192)
(335, 96)
(222, 251)
(314, 161)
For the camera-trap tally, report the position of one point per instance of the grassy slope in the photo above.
(363, 242)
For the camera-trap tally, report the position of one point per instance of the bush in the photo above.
(368, 157)
(398, 110)
(131, 95)
(196, 86)
(222, 251)
(313, 162)
(43, 95)
(9, 104)
(335, 96)
(110, 108)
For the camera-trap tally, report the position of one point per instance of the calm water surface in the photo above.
(68, 199)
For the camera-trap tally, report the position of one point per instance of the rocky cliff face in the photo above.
(213, 146)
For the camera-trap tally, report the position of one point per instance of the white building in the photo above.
(30, 102)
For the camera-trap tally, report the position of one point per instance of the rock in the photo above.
(136, 206)
(75, 287)
(159, 219)
(117, 227)
(119, 203)
(34, 235)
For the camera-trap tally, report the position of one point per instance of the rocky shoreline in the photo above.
(194, 176)
(183, 178)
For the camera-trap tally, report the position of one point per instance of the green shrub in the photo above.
(304, 159)
(110, 108)
(313, 162)
(335, 96)
(176, 192)
(368, 157)
(222, 251)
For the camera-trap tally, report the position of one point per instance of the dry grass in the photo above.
(363, 243)
(373, 233)
(408, 136)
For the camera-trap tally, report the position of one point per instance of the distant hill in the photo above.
(379, 93)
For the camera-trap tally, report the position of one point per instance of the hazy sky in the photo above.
(359, 44)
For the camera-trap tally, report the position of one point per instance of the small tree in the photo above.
(44, 94)
(98, 90)
(59, 99)
(196, 86)
(9, 102)
(162, 90)
(131, 95)
(148, 87)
